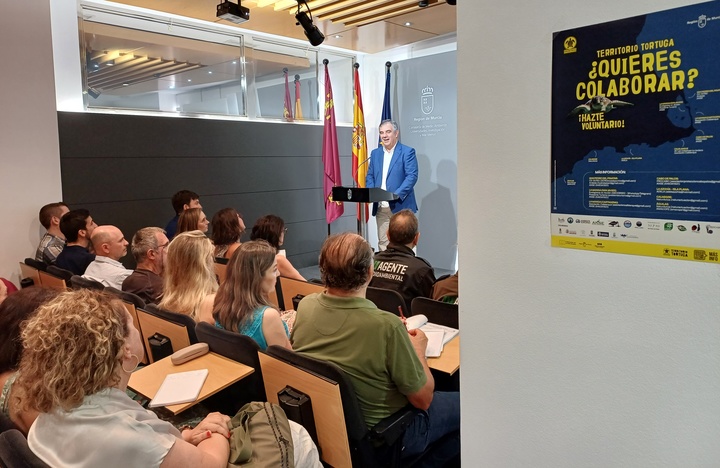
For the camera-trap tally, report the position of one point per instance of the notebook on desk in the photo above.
(437, 335)
(181, 387)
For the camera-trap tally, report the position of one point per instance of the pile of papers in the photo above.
(437, 335)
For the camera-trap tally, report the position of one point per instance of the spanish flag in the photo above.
(359, 144)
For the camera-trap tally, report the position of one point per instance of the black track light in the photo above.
(305, 20)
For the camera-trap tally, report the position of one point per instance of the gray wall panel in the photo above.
(124, 169)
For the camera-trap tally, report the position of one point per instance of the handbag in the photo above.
(260, 437)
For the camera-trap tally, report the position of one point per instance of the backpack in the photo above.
(260, 437)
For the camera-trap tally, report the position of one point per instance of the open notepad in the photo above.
(437, 335)
(181, 387)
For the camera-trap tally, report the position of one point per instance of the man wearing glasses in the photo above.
(149, 247)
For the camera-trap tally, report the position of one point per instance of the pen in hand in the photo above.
(402, 317)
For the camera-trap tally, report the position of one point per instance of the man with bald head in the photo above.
(110, 246)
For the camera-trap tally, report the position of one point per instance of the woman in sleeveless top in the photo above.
(241, 304)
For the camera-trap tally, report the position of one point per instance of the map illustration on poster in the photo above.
(636, 135)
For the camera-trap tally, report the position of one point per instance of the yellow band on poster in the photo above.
(636, 248)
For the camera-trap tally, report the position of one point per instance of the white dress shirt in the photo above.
(107, 271)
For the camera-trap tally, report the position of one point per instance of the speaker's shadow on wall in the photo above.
(436, 192)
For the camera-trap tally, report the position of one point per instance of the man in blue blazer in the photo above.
(393, 167)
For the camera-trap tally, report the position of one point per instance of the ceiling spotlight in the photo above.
(408, 23)
(312, 33)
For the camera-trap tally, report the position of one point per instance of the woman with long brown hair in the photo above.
(241, 304)
(192, 219)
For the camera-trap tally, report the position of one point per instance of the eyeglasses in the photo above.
(162, 246)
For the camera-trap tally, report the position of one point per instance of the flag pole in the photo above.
(287, 106)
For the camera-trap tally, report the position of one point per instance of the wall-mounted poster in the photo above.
(636, 135)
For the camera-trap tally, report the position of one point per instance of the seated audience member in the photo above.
(227, 227)
(6, 288)
(192, 219)
(397, 267)
(79, 352)
(181, 201)
(53, 241)
(77, 226)
(272, 229)
(149, 247)
(110, 246)
(446, 290)
(189, 274)
(241, 303)
(385, 362)
(15, 310)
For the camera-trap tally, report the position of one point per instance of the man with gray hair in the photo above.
(110, 246)
(393, 167)
(149, 247)
(385, 362)
(397, 267)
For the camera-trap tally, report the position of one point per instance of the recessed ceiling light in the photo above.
(234, 62)
(210, 72)
(189, 80)
(408, 23)
(126, 84)
(337, 36)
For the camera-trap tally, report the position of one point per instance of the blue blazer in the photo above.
(401, 178)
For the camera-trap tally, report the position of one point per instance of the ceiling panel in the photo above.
(436, 20)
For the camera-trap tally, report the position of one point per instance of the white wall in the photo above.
(29, 157)
(571, 358)
(372, 82)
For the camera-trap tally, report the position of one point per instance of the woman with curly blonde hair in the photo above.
(79, 352)
(189, 273)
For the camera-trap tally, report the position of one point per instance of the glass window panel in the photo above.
(161, 67)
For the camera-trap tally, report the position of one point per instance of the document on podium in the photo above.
(181, 387)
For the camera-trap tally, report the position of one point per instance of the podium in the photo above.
(361, 195)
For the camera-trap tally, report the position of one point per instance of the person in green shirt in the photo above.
(384, 360)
